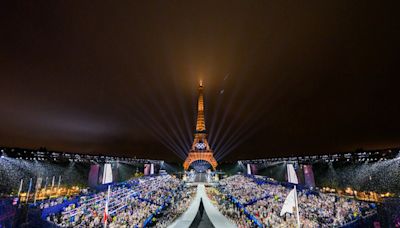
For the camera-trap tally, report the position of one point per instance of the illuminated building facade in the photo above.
(200, 150)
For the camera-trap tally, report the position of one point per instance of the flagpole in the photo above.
(29, 190)
(58, 185)
(34, 198)
(52, 183)
(292, 178)
(45, 186)
(297, 207)
(20, 187)
(106, 207)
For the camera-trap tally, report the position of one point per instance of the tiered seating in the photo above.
(262, 203)
(130, 205)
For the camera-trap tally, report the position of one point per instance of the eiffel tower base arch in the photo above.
(196, 156)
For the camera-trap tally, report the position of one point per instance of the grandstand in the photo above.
(245, 198)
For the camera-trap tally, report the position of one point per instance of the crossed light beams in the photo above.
(174, 131)
(216, 112)
(247, 128)
(183, 108)
(238, 130)
(157, 111)
(167, 120)
(235, 135)
(181, 136)
(213, 139)
(158, 117)
(150, 122)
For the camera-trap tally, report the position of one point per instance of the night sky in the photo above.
(281, 78)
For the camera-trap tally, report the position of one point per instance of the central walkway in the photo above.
(200, 177)
(210, 214)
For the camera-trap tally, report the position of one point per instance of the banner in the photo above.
(146, 169)
(309, 176)
(107, 174)
(292, 177)
(151, 169)
(94, 175)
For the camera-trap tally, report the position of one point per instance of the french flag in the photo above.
(106, 207)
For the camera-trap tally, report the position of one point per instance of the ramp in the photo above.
(187, 219)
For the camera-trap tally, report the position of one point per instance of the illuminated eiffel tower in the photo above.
(200, 150)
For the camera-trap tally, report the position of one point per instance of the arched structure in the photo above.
(200, 165)
(200, 149)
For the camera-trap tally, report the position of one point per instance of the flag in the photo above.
(291, 200)
(106, 213)
(289, 203)
(106, 207)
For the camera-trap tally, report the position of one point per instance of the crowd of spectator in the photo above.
(42, 204)
(265, 201)
(177, 206)
(244, 201)
(228, 209)
(129, 205)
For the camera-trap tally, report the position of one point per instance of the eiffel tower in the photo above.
(200, 150)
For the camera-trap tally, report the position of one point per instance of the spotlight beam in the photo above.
(238, 130)
(232, 123)
(156, 105)
(234, 141)
(156, 128)
(170, 126)
(178, 134)
(223, 118)
(182, 107)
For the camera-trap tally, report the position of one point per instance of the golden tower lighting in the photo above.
(200, 150)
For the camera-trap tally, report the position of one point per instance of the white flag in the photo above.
(292, 177)
(289, 204)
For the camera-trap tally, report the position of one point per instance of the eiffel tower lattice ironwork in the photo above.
(200, 150)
